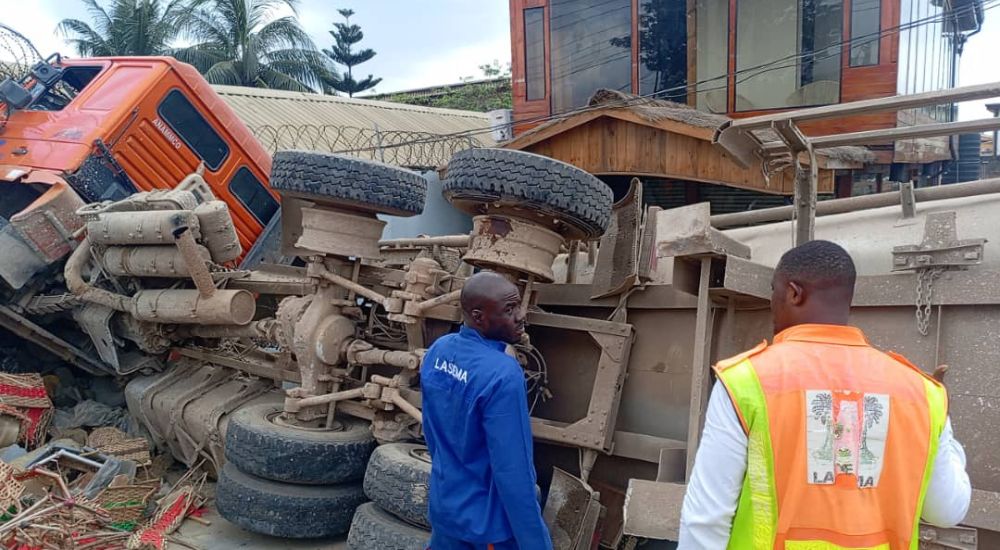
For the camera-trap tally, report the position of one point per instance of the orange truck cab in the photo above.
(77, 131)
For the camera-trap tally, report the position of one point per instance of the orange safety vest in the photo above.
(841, 442)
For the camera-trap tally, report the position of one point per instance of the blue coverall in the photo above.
(475, 418)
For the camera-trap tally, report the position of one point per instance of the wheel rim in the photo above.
(421, 453)
(318, 425)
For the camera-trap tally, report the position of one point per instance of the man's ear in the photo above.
(476, 315)
(796, 293)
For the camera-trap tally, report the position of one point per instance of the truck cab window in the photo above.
(72, 82)
(251, 192)
(183, 117)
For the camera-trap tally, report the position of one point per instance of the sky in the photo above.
(418, 42)
(430, 42)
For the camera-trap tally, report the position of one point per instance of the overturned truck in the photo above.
(299, 386)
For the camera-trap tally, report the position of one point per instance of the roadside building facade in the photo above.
(742, 58)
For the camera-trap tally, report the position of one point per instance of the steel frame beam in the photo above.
(737, 139)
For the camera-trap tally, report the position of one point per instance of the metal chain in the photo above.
(925, 293)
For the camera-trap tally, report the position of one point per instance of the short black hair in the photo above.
(818, 264)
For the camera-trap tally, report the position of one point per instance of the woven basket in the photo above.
(126, 504)
(10, 490)
(24, 390)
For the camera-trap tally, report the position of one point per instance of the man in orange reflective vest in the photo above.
(820, 441)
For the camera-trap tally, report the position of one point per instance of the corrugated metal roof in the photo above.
(262, 107)
(411, 136)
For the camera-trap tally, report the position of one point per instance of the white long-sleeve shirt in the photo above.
(717, 479)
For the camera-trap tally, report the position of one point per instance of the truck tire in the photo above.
(260, 447)
(285, 510)
(526, 180)
(358, 183)
(376, 529)
(398, 480)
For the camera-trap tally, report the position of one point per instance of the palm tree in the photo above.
(240, 43)
(127, 27)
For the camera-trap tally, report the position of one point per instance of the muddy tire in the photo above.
(376, 529)
(532, 182)
(353, 182)
(285, 510)
(258, 446)
(398, 480)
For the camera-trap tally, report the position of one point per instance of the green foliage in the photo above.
(345, 36)
(241, 43)
(125, 28)
(486, 95)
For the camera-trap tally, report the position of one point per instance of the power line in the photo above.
(761, 69)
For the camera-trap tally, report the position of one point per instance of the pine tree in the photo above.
(346, 35)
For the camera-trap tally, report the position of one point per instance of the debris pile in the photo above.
(98, 489)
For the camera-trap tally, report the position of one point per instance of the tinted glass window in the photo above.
(712, 55)
(184, 119)
(251, 192)
(865, 19)
(591, 49)
(534, 52)
(663, 49)
(788, 54)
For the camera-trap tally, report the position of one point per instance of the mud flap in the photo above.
(573, 513)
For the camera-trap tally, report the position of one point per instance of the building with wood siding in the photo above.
(747, 57)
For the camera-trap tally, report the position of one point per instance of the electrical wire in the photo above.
(761, 69)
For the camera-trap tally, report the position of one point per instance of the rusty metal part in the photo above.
(157, 199)
(218, 232)
(30, 331)
(149, 261)
(317, 270)
(263, 328)
(509, 243)
(73, 272)
(737, 139)
(135, 228)
(653, 510)
(595, 430)
(340, 233)
(940, 247)
(48, 224)
(252, 363)
(390, 393)
(862, 202)
(183, 306)
(294, 405)
(420, 307)
(452, 241)
(194, 262)
(276, 280)
(947, 538)
(573, 512)
(360, 352)
(187, 408)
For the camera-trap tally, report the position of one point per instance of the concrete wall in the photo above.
(438, 218)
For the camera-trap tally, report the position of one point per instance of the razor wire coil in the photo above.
(409, 149)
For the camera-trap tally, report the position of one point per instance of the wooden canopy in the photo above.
(664, 140)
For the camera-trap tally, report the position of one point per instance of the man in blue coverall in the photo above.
(475, 417)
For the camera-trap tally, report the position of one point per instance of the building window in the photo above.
(866, 17)
(788, 55)
(591, 44)
(192, 128)
(251, 192)
(534, 53)
(663, 49)
(712, 55)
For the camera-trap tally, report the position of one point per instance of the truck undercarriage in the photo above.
(298, 386)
